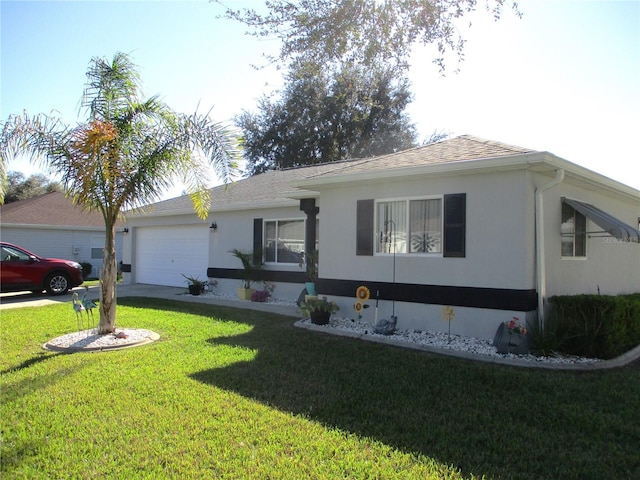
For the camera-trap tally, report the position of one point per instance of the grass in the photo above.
(230, 393)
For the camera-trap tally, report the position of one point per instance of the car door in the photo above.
(18, 268)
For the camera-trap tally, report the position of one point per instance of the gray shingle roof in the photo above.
(458, 149)
(276, 186)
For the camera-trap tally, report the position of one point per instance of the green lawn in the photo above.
(230, 393)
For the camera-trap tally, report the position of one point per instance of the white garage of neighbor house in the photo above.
(487, 228)
(52, 226)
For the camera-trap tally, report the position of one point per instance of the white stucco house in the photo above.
(487, 228)
(52, 226)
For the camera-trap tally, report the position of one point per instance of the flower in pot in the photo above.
(196, 286)
(251, 264)
(310, 262)
(319, 310)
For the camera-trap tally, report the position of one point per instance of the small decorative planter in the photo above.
(245, 293)
(320, 318)
(311, 289)
(319, 310)
(507, 341)
(195, 289)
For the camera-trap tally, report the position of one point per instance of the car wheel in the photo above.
(57, 283)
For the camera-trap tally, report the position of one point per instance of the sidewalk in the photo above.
(28, 299)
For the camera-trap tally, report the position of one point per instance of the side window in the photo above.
(573, 231)
(12, 255)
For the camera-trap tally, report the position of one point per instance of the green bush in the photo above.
(86, 269)
(600, 326)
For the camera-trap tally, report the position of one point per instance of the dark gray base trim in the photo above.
(477, 297)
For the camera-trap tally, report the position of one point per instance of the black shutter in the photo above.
(364, 226)
(257, 241)
(455, 214)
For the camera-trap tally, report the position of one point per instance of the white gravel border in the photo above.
(90, 341)
(471, 348)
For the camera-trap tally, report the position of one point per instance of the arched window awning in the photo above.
(610, 224)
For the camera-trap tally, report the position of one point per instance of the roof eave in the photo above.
(462, 166)
(288, 202)
(541, 162)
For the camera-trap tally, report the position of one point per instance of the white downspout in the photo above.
(541, 274)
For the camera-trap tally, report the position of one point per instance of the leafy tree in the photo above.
(19, 188)
(363, 31)
(125, 154)
(324, 117)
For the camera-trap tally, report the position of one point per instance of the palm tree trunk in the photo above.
(108, 282)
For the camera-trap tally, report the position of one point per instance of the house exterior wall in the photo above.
(610, 266)
(500, 246)
(235, 230)
(500, 254)
(60, 242)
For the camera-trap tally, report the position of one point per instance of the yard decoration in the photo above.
(250, 267)
(447, 315)
(319, 310)
(384, 326)
(195, 285)
(78, 308)
(263, 295)
(88, 304)
(511, 337)
(310, 262)
(362, 295)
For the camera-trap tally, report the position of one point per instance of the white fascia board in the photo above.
(583, 175)
(301, 194)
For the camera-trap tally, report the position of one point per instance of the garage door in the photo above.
(163, 254)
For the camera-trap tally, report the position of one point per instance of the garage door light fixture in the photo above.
(214, 226)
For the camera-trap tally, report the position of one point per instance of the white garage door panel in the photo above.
(163, 254)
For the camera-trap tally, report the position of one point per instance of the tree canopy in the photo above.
(323, 117)
(367, 32)
(20, 188)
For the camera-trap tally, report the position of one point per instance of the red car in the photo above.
(22, 270)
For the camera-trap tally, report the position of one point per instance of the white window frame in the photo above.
(265, 239)
(404, 250)
(573, 235)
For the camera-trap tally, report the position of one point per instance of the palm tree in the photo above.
(124, 155)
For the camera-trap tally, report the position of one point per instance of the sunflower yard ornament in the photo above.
(447, 315)
(362, 295)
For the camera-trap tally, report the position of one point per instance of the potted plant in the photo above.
(263, 295)
(196, 286)
(310, 262)
(319, 310)
(249, 269)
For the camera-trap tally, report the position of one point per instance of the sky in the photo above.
(565, 78)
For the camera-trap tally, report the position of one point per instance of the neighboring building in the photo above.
(52, 226)
(488, 228)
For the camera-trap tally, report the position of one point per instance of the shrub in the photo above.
(599, 326)
(86, 269)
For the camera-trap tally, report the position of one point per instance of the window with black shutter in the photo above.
(455, 211)
(364, 227)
